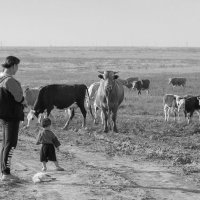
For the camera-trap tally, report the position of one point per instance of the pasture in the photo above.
(143, 133)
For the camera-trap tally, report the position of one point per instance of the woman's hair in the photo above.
(46, 122)
(10, 61)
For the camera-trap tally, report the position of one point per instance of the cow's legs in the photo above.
(71, 115)
(198, 114)
(185, 113)
(174, 115)
(173, 110)
(114, 116)
(84, 112)
(178, 112)
(95, 114)
(166, 109)
(101, 117)
(189, 117)
(105, 120)
(168, 112)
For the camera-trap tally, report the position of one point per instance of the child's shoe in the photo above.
(44, 169)
(9, 177)
(59, 169)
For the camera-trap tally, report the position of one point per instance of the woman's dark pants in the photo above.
(10, 137)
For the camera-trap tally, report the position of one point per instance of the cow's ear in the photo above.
(100, 76)
(116, 76)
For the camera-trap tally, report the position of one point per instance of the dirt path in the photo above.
(92, 175)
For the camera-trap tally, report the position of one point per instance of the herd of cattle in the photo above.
(174, 103)
(105, 95)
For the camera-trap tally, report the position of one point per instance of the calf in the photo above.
(170, 104)
(62, 96)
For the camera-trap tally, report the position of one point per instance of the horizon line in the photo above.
(92, 46)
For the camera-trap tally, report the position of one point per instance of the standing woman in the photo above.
(10, 125)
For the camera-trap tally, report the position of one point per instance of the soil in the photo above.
(93, 175)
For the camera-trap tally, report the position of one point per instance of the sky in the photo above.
(173, 23)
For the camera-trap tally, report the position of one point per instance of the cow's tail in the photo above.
(88, 101)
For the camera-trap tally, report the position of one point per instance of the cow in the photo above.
(170, 104)
(141, 85)
(192, 104)
(30, 96)
(62, 96)
(181, 101)
(109, 96)
(179, 81)
(92, 90)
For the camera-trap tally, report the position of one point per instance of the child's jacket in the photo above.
(47, 137)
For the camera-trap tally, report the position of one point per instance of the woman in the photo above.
(10, 126)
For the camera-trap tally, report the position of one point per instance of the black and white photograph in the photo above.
(100, 99)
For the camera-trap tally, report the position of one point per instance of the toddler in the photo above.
(49, 142)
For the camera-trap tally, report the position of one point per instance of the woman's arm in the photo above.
(14, 87)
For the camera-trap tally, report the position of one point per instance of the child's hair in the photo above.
(46, 122)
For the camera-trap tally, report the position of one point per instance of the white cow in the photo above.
(170, 104)
(92, 90)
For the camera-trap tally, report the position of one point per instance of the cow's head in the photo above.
(134, 84)
(198, 98)
(37, 112)
(31, 115)
(32, 118)
(38, 107)
(109, 78)
(170, 81)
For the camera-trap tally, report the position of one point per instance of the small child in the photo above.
(48, 140)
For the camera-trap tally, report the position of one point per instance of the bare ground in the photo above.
(91, 174)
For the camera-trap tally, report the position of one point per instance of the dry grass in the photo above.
(140, 118)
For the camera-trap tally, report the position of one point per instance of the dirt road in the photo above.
(92, 175)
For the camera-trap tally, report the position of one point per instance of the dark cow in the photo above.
(141, 85)
(62, 96)
(177, 81)
(109, 96)
(192, 104)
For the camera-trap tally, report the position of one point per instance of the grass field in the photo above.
(140, 119)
